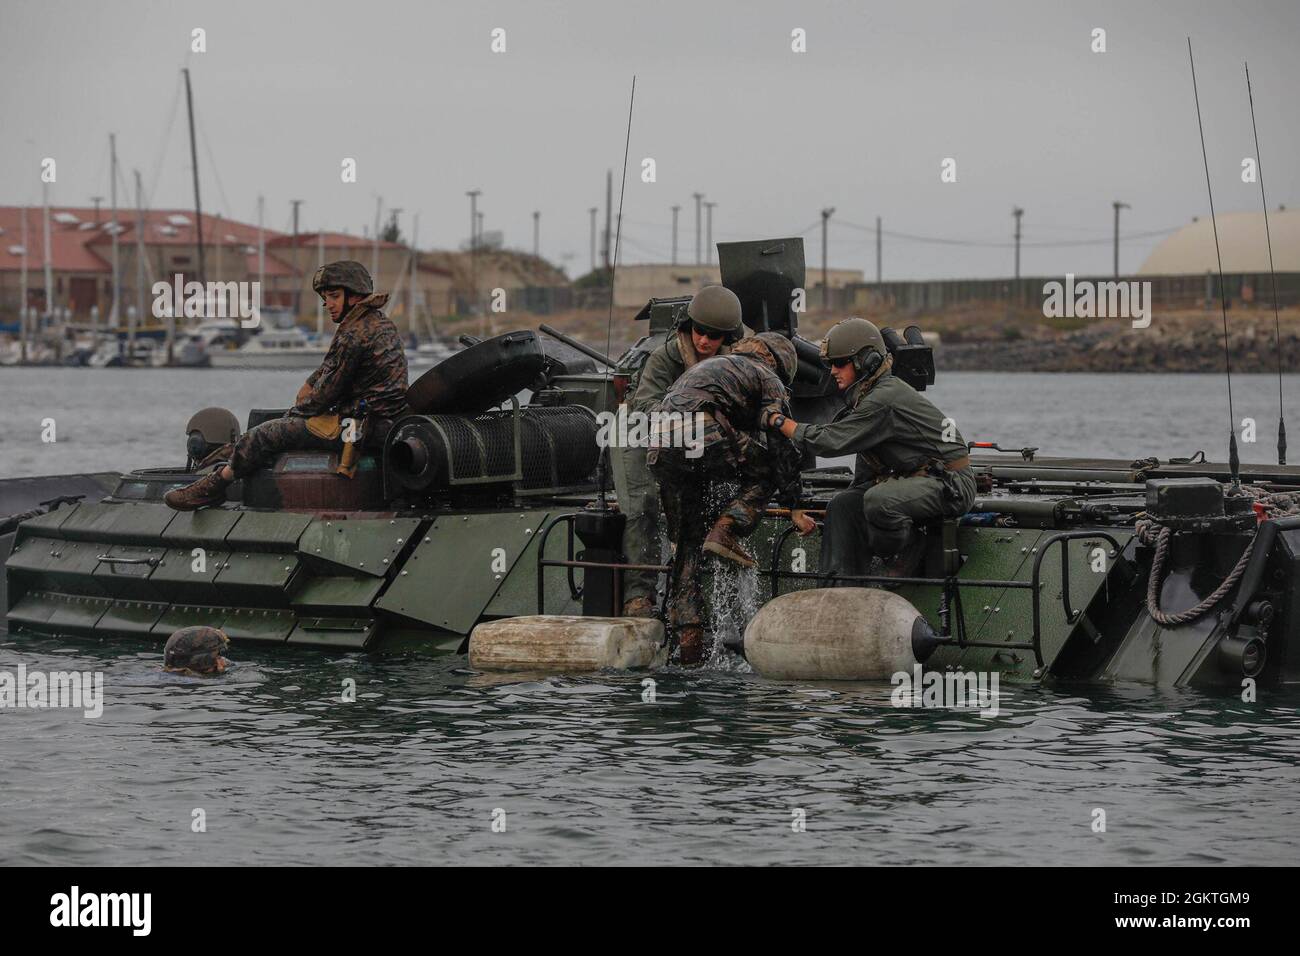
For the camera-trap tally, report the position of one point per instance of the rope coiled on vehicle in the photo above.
(1154, 535)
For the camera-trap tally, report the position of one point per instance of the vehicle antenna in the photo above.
(1277, 325)
(613, 266)
(1234, 464)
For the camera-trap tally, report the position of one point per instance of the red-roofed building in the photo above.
(81, 255)
(81, 242)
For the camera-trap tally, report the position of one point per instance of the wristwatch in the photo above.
(776, 421)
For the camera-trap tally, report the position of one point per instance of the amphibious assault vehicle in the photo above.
(482, 510)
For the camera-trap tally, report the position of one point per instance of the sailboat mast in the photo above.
(194, 160)
(117, 271)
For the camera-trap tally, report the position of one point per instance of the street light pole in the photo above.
(1118, 206)
(675, 211)
(1017, 212)
(708, 249)
(826, 286)
(473, 195)
(698, 197)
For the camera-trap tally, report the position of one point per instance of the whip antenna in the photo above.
(613, 267)
(1277, 324)
(1234, 464)
(618, 229)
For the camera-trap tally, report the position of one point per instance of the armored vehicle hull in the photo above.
(478, 509)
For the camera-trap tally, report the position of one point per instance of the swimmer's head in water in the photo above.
(196, 650)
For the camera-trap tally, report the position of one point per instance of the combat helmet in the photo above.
(344, 274)
(196, 649)
(855, 339)
(717, 309)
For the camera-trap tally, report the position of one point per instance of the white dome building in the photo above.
(1190, 250)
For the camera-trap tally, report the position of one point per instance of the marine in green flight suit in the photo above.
(912, 464)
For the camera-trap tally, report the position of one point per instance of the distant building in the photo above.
(389, 261)
(637, 283)
(1242, 240)
(82, 276)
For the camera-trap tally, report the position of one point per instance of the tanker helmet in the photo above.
(782, 349)
(345, 274)
(855, 339)
(717, 309)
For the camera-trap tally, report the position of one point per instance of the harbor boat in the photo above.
(289, 348)
(485, 526)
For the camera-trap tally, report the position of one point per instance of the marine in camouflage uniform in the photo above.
(713, 311)
(912, 464)
(196, 651)
(736, 393)
(363, 377)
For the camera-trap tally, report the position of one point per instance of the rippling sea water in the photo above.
(584, 769)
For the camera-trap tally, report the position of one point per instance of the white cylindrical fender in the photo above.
(837, 634)
(561, 643)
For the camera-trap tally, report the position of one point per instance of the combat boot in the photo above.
(641, 606)
(724, 544)
(690, 641)
(208, 490)
(908, 560)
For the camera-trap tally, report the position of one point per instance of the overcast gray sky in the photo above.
(861, 121)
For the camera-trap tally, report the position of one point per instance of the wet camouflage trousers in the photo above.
(695, 493)
(638, 499)
(862, 523)
(258, 447)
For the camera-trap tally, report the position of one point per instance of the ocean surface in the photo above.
(434, 764)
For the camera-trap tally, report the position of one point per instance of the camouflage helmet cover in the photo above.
(195, 649)
(717, 308)
(774, 350)
(344, 274)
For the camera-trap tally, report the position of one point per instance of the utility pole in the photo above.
(826, 285)
(117, 271)
(708, 248)
(698, 197)
(473, 195)
(194, 161)
(537, 225)
(609, 202)
(99, 199)
(297, 254)
(592, 211)
(878, 270)
(675, 211)
(139, 264)
(1118, 206)
(1017, 212)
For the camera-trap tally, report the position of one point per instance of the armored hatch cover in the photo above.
(479, 377)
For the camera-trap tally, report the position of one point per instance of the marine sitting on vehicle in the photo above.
(732, 396)
(711, 324)
(351, 400)
(912, 464)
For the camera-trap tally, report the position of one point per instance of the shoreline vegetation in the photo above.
(995, 339)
